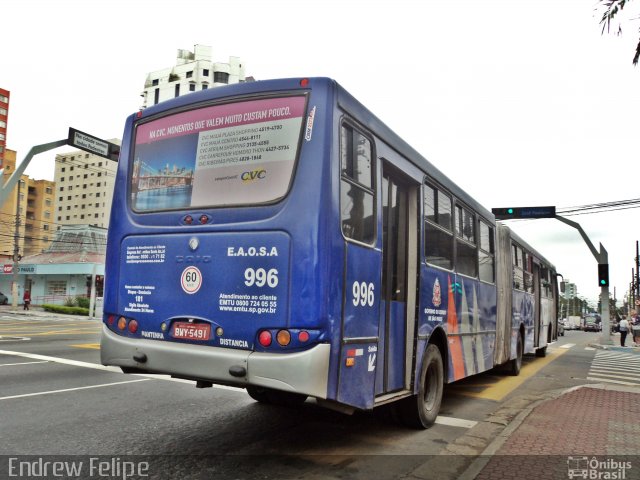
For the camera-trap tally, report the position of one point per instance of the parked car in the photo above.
(3, 299)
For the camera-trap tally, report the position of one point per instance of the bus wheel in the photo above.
(541, 352)
(259, 394)
(285, 399)
(421, 410)
(516, 364)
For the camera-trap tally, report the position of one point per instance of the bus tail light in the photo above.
(122, 323)
(303, 336)
(265, 338)
(304, 82)
(111, 319)
(283, 338)
(133, 326)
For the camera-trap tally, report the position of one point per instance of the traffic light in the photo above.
(603, 274)
(524, 212)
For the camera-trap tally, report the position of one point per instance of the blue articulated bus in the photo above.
(277, 236)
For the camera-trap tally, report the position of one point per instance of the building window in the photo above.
(192, 87)
(190, 74)
(205, 86)
(156, 96)
(177, 90)
(56, 287)
(49, 191)
(154, 82)
(205, 72)
(220, 77)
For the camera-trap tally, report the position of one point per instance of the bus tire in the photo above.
(541, 352)
(515, 365)
(259, 394)
(420, 411)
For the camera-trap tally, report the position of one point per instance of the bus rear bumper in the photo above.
(301, 372)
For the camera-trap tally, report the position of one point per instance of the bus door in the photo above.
(398, 289)
(537, 309)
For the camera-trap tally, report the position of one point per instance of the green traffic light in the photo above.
(602, 282)
(510, 211)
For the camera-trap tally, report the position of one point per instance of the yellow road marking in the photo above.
(94, 346)
(497, 391)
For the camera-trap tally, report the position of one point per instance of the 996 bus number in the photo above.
(261, 277)
(363, 294)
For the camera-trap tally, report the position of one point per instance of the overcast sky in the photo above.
(519, 102)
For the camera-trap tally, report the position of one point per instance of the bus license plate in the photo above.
(192, 331)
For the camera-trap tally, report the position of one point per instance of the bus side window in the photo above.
(528, 275)
(486, 253)
(438, 235)
(466, 254)
(357, 213)
(518, 274)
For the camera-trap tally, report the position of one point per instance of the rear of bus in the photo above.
(219, 244)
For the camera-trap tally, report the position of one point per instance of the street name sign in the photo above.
(92, 144)
(524, 212)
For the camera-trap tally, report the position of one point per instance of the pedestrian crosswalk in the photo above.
(615, 367)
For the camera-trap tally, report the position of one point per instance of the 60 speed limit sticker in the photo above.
(191, 280)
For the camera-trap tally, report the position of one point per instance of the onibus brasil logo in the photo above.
(594, 468)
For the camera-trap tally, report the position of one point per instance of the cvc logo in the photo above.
(253, 175)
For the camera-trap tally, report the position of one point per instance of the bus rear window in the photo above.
(239, 153)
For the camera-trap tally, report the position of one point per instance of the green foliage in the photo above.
(70, 302)
(82, 302)
(67, 310)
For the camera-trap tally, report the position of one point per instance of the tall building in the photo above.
(570, 290)
(32, 203)
(192, 72)
(4, 118)
(84, 188)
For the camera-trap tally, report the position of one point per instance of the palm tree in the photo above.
(612, 8)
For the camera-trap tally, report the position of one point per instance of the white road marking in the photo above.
(71, 389)
(21, 363)
(64, 361)
(455, 422)
(568, 345)
(95, 366)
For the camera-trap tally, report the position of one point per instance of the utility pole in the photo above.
(16, 252)
(602, 258)
(637, 275)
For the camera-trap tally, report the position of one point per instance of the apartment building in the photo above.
(84, 188)
(193, 71)
(4, 118)
(32, 204)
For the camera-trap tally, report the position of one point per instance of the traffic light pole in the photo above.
(602, 257)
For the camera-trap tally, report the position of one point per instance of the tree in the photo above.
(613, 8)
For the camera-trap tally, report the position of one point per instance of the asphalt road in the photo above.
(56, 400)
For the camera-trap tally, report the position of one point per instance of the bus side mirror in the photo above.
(562, 287)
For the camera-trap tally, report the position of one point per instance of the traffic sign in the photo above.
(524, 212)
(92, 144)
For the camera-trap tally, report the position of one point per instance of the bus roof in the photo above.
(346, 101)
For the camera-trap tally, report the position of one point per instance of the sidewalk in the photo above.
(38, 312)
(587, 429)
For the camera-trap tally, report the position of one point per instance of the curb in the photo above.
(483, 459)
